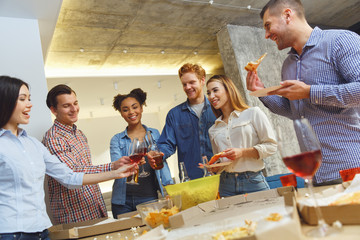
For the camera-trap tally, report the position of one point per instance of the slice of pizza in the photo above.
(349, 198)
(252, 66)
(215, 158)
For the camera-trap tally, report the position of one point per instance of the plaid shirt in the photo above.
(70, 145)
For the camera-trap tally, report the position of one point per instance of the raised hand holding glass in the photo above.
(137, 151)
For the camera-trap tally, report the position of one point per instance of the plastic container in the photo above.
(195, 191)
(349, 174)
(157, 212)
(288, 180)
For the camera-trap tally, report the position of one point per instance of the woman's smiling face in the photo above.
(22, 109)
(131, 110)
(217, 94)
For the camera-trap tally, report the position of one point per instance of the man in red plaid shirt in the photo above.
(70, 145)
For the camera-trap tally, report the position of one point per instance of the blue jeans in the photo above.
(44, 235)
(130, 205)
(240, 183)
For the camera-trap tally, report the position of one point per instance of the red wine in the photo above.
(304, 164)
(136, 157)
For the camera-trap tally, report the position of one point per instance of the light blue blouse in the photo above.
(24, 161)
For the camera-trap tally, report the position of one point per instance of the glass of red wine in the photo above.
(144, 173)
(304, 163)
(137, 151)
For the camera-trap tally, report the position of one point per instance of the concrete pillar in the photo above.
(240, 44)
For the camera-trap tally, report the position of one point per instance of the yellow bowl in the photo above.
(195, 191)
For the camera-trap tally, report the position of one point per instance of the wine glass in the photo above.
(206, 171)
(183, 173)
(137, 151)
(147, 143)
(155, 152)
(304, 163)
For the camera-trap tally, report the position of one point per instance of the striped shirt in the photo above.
(70, 145)
(330, 63)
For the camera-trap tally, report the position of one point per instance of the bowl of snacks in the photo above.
(157, 212)
(195, 191)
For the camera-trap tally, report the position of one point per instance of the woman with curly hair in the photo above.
(125, 197)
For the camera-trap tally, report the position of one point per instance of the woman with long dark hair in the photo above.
(24, 161)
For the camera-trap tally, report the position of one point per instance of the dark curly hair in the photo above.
(136, 93)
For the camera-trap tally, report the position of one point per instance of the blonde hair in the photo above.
(237, 102)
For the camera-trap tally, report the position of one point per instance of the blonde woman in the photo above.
(243, 134)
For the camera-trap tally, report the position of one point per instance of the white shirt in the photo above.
(246, 129)
(23, 164)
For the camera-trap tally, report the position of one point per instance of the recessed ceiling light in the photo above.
(162, 52)
(124, 51)
(82, 50)
(195, 52)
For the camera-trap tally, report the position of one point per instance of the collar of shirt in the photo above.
(186, 106)
(312, 41)
(124, 134)
(233, 114)
(21, 131)
(64, 127)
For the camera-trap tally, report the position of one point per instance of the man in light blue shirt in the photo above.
(187, 125)
(321, 82)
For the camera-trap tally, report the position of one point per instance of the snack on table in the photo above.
(274, 217)
(236, 233)
(252, 66)
(157, 218)
(350, 198)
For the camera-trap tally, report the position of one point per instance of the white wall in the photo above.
(99, 132)
(21, 57)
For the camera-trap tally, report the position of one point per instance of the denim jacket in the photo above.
(119, 146)
(189, 134)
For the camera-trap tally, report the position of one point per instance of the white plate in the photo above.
(222, 164)
(263, 92)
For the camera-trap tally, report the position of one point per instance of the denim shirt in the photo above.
(189, 134)
(119, 146)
